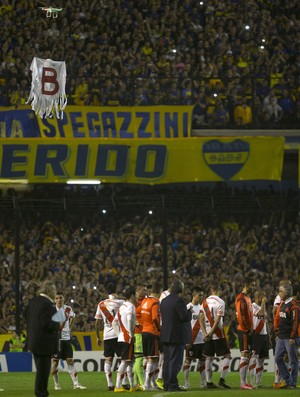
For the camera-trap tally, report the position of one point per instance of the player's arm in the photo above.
(241, 308)
(214, 327)
(295, 317)
(138, 314)
(202, 324)
(262, 311)
(131, 324)
(98, 327)
(274, 310)
(71, 322)
(155, 315)
(276, 320)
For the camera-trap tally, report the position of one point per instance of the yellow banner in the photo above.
(83, 122)
(4, 342)
(142, 160)
(88, 340)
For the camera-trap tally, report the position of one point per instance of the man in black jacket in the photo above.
(175, 334)
(43, 334)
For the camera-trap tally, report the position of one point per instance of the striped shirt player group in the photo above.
(119, 318)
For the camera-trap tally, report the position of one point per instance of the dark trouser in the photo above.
(173, 358)
(43, 366)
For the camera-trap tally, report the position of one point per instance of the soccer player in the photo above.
(260, 338)
(215, 342)
(125, 321)
(65, 346)
(244, 315)
(150, 320)
(138, 368)
(105, 314)
(286, 324)
(195, 350)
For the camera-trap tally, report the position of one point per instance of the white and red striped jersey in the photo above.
(259, 322)
(65, 332)
(213, 306)
(164, 294)
(126, 318)
(106, 311)
(197, 335)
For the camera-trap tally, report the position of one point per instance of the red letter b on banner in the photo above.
(49, 78)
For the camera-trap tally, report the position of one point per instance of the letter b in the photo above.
(49, 78)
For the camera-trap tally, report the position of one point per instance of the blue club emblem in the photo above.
(226, 159)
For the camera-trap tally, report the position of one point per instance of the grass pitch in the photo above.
(21, 384)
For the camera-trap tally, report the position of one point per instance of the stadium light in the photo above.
(104, 211)
(15, 181)
(83, 182)
(150, 212)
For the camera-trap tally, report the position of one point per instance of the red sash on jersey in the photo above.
(259, 327)
(123, 329)
(106, 312)
(217, 331)
(195, 330)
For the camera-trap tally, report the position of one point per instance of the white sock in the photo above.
(259, 369)
(73, 374)
(130, 373)
(108, 373)
(186, 373)
(208, 368)
(160, 366)
(201, 369)
(244, 362)
(225, 367)
(120, 374)
(252, 368)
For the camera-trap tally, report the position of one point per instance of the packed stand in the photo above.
(236, 62)
(84, 252)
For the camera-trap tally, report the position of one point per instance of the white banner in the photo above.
(93, 361)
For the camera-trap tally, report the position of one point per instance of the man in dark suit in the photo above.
(42, 334)
(175, 334)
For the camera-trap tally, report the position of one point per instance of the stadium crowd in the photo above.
(236, 62)
(85, 251)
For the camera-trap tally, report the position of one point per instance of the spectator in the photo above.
(145, 41)
(220, 116)
(243, 114)
(287, 104)
(17, 342)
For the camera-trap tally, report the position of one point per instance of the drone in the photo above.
(51, 11)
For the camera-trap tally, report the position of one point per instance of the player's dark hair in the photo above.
(214, 286)
(248, 281)
(156, 287)
(129, 291)
(110, 288)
